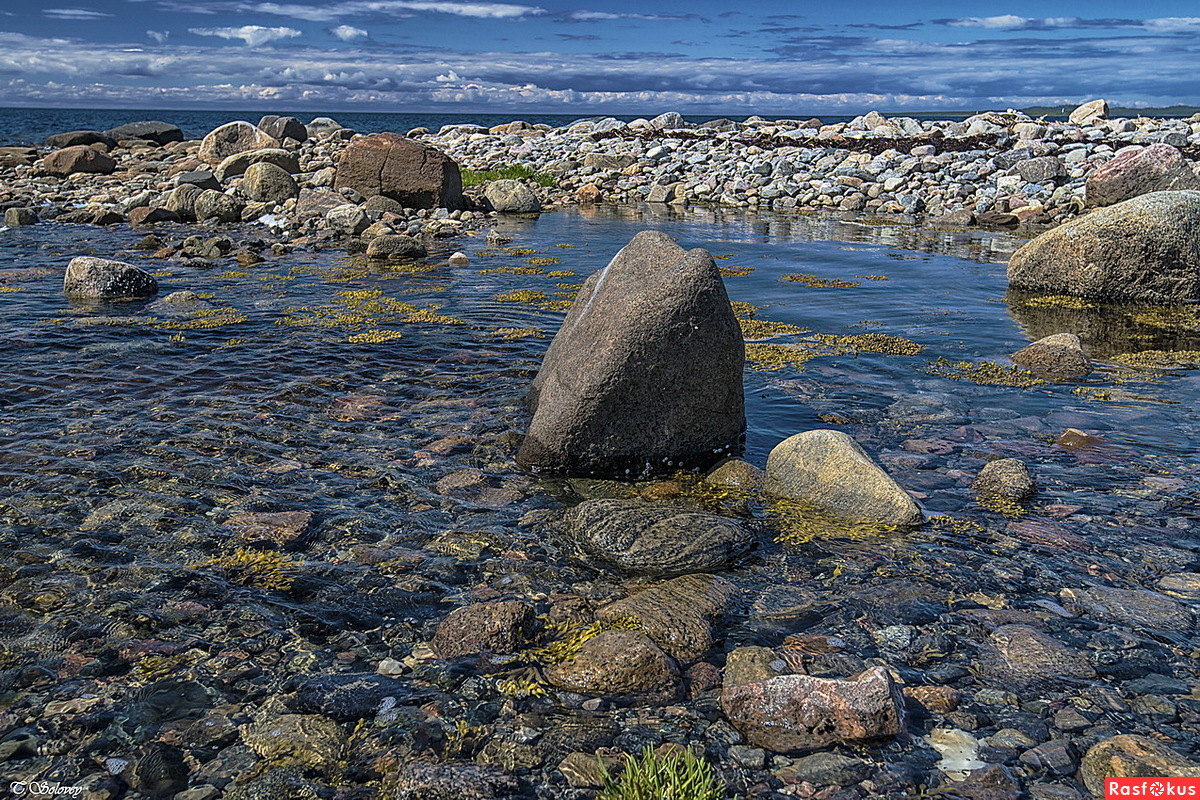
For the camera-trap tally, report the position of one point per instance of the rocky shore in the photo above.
(809, 629)
(993, 169)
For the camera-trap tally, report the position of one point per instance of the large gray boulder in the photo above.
(269, 183)
(238, 163)
(642, 539)
(150, 130)
(829, 470)
(1139, 170)
(1144, 250)
(105, 279)
(283, 128)
(645, 373)
(510, 196)
(414, 174)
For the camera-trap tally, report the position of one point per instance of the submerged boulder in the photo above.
(829, 470)
(642, 539)
(414, 174)
(1144, 250)
(1132, 756)
(104, 278)
(795, 713)
(1139, 170)
(645, 373)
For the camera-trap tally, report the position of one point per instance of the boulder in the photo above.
(619, 665)
(217, 206)
(669, 121)
(497, 627)
(1144, 250)
(1006, 478)
(152, 131)
(1139, 170)
(182, 200)
(1089, 113)
(314, 203)
(74, 138)
(1132, 756)
(752, 664)
(1043, 169)
(645, 373)
(232, 138)
(795, 713)
(198, 177)
(417, 780)
(1059, 355)
(145, 215)
(323, 128)
(642, 539)
(79, 158)
(677, 615)
(102, 278)
(510, 196)
(283, 128)
(394, 247)
(238, 163)
(412, 173)
(15, 217)
(267, 183)
(829, 470)
(608, 161)
(348, 218)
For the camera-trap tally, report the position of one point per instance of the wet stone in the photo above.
(1181, 585)
(642, 539)
(281, 528)
(678, 615)
(305, 740)
(752, 664)
(1023, 655)
(1007, 478)
(1131, 756)
(1055, 758)
(1137, 608)
(619, 665)
(826, 769)
(496, 627)
(354, 695)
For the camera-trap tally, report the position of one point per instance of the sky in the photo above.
(571, 56)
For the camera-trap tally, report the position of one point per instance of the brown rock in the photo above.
(79, 158)
(1023, 655)
(589, 194)
(1059, 355)
(752, 664)
(414, 174)
(281, 527)
(1138, 170)
(619, 665)
(145, 215)
(232, 138)
(1137, 608)
(496, 627)
(1132, 756)
(794, 713)
(934, 699)
(1006, 478)
(677, 615)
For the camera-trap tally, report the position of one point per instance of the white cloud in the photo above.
(253, 35)
(348, 33)
(74, 13)
(1173, 25)
(600, 16)
(158, 36)
(396, 8)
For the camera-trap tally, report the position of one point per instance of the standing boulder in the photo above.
(216, 206)
(510, 196)
(414, 174)
(79, 158)
(232, 138)
(829, 469)
(267, 183)
(1144, 250)
(1089, 113)
(1137, 171)
(102, 278)
(283, 128)
(645, 373)
(152, 131)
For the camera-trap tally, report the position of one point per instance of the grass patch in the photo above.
(670, 773)
(518, 172)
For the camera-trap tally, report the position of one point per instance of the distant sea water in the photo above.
(31, 126)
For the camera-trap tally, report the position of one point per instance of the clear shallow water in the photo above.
(129, 443)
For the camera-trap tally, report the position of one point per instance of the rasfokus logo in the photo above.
(1152, 787)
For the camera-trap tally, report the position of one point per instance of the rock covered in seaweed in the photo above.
(645, 373)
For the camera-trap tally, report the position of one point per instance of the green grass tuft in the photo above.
(513, 171)
(674, 775)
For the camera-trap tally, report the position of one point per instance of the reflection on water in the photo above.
(386, 406)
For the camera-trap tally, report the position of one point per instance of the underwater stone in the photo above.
(645, 374)
(1059, 355)
(829, 469)
(677, 615)
(1131, 756)
(1005, 477)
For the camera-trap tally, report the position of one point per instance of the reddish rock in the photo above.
(588, 194)
(496, 627)
(413, 174)
(1139, 170)
(145, 215)
(794, 713)
(933, 699)
(79, 158)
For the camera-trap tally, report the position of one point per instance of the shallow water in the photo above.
(129, 439)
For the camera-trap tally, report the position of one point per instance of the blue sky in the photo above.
(575, 56)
